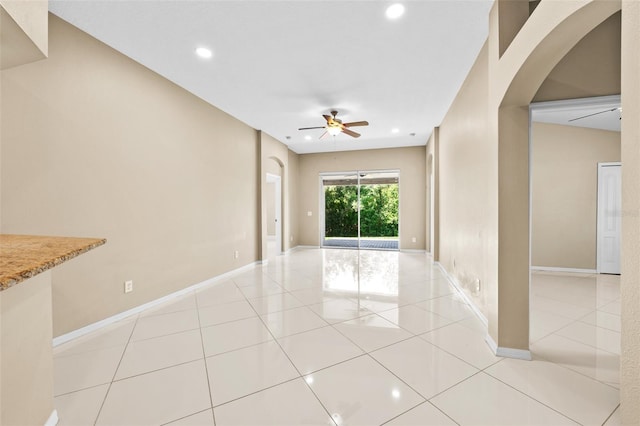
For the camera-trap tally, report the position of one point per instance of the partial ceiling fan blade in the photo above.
(328, 118)
(356, 123)
(324, 135)
(591, 115)
(351, 133)
(311, 128)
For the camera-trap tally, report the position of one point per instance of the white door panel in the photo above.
(609, 218)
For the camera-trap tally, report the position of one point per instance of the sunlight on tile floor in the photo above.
(341, 337)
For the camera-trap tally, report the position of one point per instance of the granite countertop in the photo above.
(24, 256)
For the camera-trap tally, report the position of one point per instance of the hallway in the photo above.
(346, 337)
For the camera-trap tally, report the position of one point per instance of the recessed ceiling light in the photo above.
(204, 53)
(395, 130)
(395, 11)
(307, 138)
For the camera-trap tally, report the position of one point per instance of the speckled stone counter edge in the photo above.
(24, 256)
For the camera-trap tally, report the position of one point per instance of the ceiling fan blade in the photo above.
(351, 133)
(311, 128)
(328, 118)
(324, 135)
(591, 115)
(356, 123)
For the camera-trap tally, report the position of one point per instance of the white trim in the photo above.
(462, 294)
(263, 262)
(307, 247)
(507, 352)
(122, 315)
(412, 251)
(53, 419)
(568, 270)
(604, 101)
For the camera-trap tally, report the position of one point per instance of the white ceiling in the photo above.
(280, 65)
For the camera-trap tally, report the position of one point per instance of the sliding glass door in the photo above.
(360, 209)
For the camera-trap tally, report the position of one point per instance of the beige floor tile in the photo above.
(424, 414)
(117, 334)
(592, 405)
(236, 374)
(339, 310)
(234, 335)
(162, 325)
(376, 303)
(381, 396)
(158, 397)
(603, 319)
(415, 319)
(218, 294)
(233, 311)
(483, 400)
(80, 408)
(203, 418)
(274, 303)
(293, 321)
(316, 349)
(261, 290)
(267, 408)
(611, 308)
(312, 296)
(450, 307)
(372, 332)
(463, 343)
(473, 323)
(591, 335)
(615, 419)
(426, 368)
(543, 323)
(160, 352)
(182, 303)
(559, 308)
(588, 360)
(84, 370)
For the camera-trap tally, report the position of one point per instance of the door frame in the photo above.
(321, 215)
(600, 218)
(277, 180)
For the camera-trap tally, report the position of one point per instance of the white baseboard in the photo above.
(569, 270)
(122, 315)
(413, 251)
(301, 247)
(507, 352)
(462, 294)
(53, 419)
(263, 262)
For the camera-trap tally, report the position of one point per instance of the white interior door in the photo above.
(609, 217)
(277, 181)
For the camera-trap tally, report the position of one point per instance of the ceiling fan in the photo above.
(597, 113)
(335, 126)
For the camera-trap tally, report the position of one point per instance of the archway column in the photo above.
(515, 75)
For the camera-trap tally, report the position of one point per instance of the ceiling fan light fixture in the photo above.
(395, 11)
(333, 131)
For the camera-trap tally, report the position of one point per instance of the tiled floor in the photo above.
(311, 338)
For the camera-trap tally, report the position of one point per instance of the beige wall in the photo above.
(467, 187)
(410, 162)
(597, 59)
(94, 144)
(630, 300)
(294, 196)
(23, 31)
(564, 193)
(26, 356)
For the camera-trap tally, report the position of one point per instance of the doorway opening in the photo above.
(274, 215)
(360, 210)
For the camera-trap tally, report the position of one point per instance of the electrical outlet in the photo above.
(413, 239)
(291, 238)
(236, 254)
(477, 285)
(128, 286)
(309, 213)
